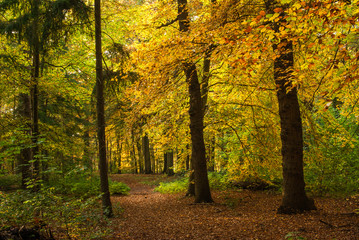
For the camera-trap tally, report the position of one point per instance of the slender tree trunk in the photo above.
(35, 74)
(294, 196)
(86, 159)
(101, 127)
(146, 154)
(140, 156)
(119, 159)
(153, 160)
(25, 154)
(165, 162)
(169, 157)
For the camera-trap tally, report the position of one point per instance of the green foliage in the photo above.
(179, 185)
(9, 181)
(78, 182)
(119, 188)
(83, 184)
(217, 180)
(73, 218)
(332, 167)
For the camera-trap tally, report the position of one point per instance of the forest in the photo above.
(179, 119)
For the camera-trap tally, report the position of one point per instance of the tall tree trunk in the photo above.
(35, 74)
(25, 154)
(101, 127)
(146, 154)
(165, 166)
(153, 160)
(119, 159)
(169, 157)
(202, 190)
(86, 158)
(294, 196)
(140, 156)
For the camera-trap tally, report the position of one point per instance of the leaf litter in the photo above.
(236, 214)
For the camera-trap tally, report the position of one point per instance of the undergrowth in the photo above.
(216, 181)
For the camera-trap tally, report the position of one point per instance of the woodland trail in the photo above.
(240, 214)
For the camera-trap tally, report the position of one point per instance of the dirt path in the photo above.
(234, 215)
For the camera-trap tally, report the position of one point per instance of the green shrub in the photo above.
(119, 188)
(78, 182)
(216, 181)
(10, 181)
(179, 185)
(70, 217)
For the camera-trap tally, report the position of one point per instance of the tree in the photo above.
(101, 125)
(146, 154)
(294, 196)
(202, 190)
(169, 162)
(39, 25)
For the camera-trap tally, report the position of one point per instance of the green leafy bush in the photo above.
(179, 185)
(70, 217)
(10, 181)
(78, 182)
(216, 181)
(119, 188)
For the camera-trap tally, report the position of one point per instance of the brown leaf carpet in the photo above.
(236, 214)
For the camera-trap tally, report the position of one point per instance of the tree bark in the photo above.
(165, 162)
(35, 74)
(25, 154)
(101, 127)
(140, 157)
(169, 157)
(202, 190)
(294, 196)
(146, 154)
(119, 159)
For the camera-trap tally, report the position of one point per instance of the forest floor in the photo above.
(236, 214)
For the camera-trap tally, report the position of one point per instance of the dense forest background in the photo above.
(150, 52)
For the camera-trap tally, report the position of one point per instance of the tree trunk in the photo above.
(35, 74)
(140, 156)
(169, 157)
(202, 190)
(146, 154)
(188, 157)
(119, 159)
(191, 186)
(294, 196)
(25, 154)
(101, 127)
(165, 162)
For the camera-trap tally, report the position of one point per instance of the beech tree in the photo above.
(294, 196)
(202, 190)
(101, 125)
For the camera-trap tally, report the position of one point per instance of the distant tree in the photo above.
(146, 154)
